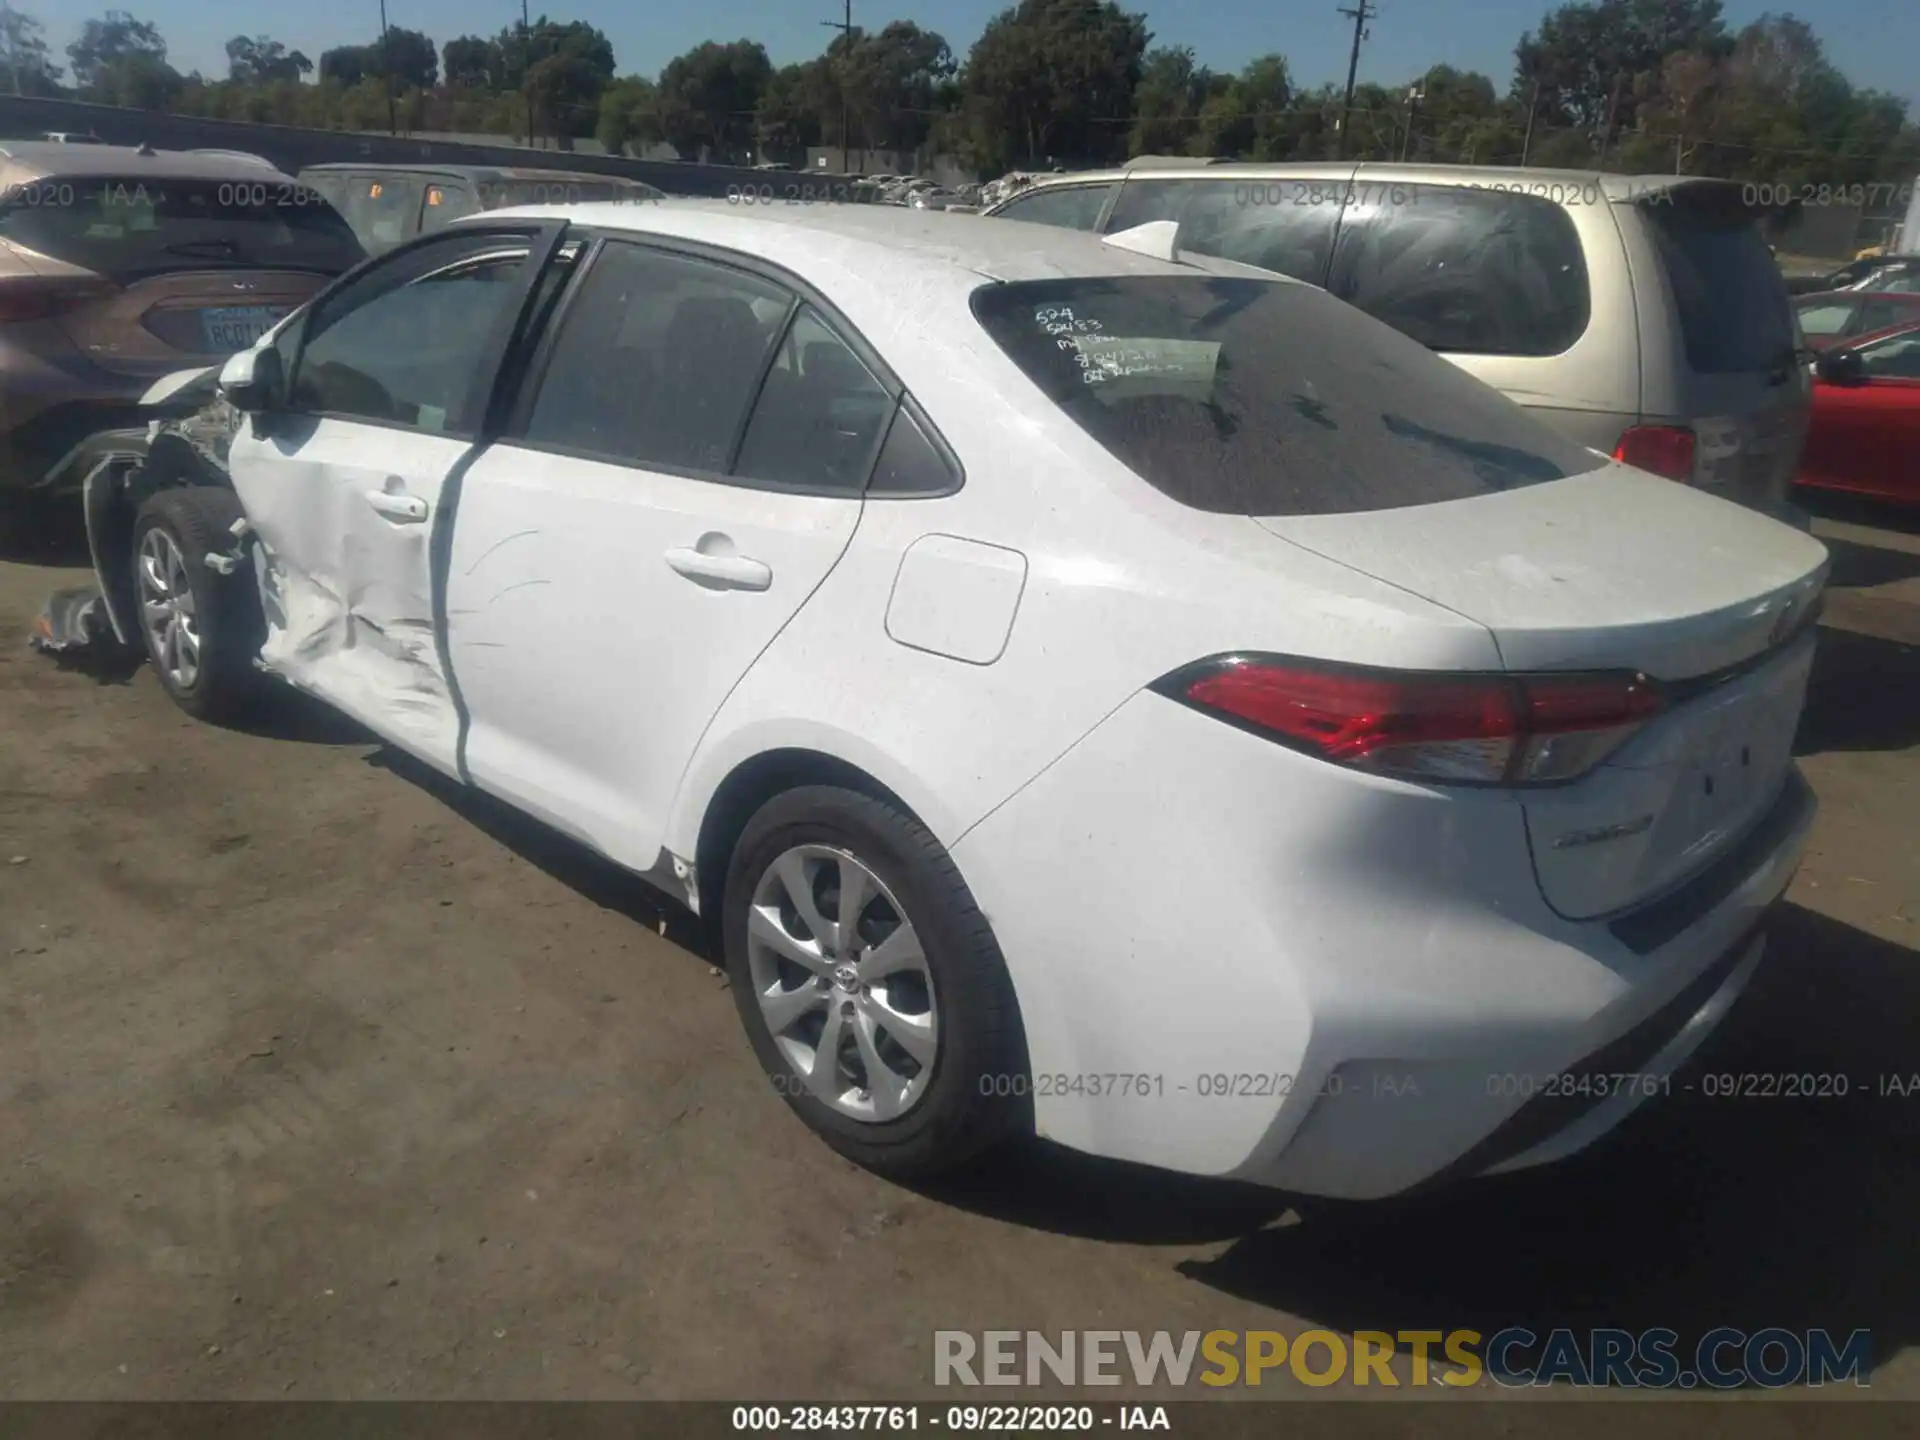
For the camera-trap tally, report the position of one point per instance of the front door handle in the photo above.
(398, 506)
(720, 572)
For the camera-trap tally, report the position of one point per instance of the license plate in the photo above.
(236, 327)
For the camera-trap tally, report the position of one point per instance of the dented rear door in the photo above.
(346, 483)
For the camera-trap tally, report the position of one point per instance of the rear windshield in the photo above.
(1735, 314)
(1259, 397)
(126, 228)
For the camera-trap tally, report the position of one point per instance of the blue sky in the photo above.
(1876, 42)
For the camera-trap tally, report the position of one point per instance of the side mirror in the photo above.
(1841, 367)
(252, 380)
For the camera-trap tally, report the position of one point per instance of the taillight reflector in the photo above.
(1664, 450)
(40, 297)
(1472, 729)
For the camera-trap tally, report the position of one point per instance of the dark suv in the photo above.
(388, 204)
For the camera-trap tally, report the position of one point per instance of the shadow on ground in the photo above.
(1864, 693)
(610, 886)
(1700, 1212)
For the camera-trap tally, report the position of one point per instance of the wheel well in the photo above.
(170, 464)
(752, 784)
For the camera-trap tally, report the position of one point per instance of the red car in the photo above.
(1836, 317)
(1865, 433)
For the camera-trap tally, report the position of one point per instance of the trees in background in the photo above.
(1631, 85)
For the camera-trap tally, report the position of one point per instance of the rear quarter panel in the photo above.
(1122, 586)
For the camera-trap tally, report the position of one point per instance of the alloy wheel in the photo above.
(842, 982)
(167, 609)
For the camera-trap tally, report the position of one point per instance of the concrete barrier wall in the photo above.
(292, 148)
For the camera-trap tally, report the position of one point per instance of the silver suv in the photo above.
(1644, 315)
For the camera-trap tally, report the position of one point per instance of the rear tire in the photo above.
(928, 1061)
(202, 630)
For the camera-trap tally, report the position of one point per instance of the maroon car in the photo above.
(121, 265)
(1833, 317)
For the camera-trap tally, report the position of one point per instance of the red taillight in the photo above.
(1666, 450)
(1474, 729)
(40, 297)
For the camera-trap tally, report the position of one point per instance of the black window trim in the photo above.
(916, 414)
(542, 239)
(518, 406)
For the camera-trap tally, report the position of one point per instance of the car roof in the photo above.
(31, 159)
(1161, 167)
(1885, 332)
(893, 247)
(1822, 297)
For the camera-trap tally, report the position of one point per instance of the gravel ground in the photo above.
(318, 1079)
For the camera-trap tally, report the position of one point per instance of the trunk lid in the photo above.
(162, 322)
(1620, 570)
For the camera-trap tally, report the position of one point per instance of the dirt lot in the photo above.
(319, 1080)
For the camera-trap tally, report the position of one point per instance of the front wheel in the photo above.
(202, 629)
(870, 984)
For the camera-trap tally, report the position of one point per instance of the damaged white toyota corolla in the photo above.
(1116, 696)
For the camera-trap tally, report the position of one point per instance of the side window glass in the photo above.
(1879, 314)
(1476, 272)
(1143, 201)
(1896, 358)
(1281, 225)
(382, 209)
(910, 463)
(1074, 207)
(819, 415)
(445, 202)
(404, 347)
(1825, 319)
(657, 359)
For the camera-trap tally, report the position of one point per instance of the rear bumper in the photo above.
(1328, 982)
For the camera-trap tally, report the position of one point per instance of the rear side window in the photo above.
(1735, 315)
(1827, 318)
(1255, 397)
(127, 228)
(819, 416)
(1471, 272)
(911, 463)
(383, 210)
(1075, 207)
(657, 358)
(1281, 225)
(1895, 358)
(1880, 314)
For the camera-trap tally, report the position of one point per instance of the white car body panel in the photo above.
(1177, 900)
(589, 665)
(343, 510)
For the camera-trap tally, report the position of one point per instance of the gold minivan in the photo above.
(1643, 315)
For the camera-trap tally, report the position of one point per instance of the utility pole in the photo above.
(1361, 13)
(845, 26)
(1415, 94)
(1613, 107)
(386, 68)
(526, 59)
(1533, 109)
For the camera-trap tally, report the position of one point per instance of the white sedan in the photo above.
(1082, 692)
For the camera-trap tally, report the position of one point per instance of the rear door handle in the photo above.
(725, 572)
(396, 504)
